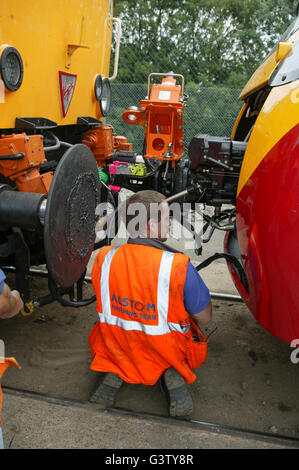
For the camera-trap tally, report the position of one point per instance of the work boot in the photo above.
(179, 398)
(106, 391)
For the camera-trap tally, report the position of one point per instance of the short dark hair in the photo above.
(146, 197)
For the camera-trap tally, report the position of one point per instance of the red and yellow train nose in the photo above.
(268, 207)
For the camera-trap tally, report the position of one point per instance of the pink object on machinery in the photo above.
(113, 170)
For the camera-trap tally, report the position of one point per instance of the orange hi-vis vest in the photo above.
(5, 362)
(143, 327)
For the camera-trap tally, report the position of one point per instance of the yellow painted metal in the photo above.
(283, 49)
(261, 76)
(29, 308)
(72, 36)
(71, 48)
(278, 116)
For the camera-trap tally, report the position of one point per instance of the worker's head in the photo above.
(147, 215)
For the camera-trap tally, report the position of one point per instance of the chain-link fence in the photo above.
(215, 45)
(187, 39)
(208, 110)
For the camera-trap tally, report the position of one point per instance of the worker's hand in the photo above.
(10, 303)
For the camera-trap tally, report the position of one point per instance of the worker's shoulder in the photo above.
(140, 247)
(182, 258)
(103, 252)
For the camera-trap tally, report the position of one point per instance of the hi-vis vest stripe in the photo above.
(162, 300)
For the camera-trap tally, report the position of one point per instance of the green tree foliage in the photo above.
(210, 42)
(215, 44)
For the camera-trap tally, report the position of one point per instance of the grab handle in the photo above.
(117, 46)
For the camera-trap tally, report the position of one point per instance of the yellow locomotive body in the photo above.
(72, 37)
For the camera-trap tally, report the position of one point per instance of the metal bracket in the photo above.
(170, 74)
(71, 48)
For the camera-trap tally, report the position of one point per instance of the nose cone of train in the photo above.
(267, 204)
(268, 214)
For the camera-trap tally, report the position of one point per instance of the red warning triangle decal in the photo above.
(67, 82)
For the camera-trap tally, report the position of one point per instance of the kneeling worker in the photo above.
(150, 300)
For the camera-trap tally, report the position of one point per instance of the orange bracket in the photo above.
(162, 119)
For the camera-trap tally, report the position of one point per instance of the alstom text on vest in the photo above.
(125, 302)
(144, 310)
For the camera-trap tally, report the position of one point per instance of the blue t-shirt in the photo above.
(196, 294)
(2, 279)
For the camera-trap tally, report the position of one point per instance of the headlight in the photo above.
(11, 68)
(105, 101)
(98, 87)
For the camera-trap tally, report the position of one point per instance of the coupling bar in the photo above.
(20, 209)
(191, 190)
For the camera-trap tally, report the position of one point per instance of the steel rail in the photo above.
(44, 273)
(202, 425)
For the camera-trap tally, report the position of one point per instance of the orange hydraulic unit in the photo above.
(100, 141)
(20, 159)
(121, 144)
(161, 115)
(103, 142)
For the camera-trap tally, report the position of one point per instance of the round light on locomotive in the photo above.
(105, 101)
(98, 87)
(11, 68)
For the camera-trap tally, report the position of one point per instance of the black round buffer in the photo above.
(70, 220)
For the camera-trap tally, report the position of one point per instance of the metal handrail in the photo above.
(117, 46)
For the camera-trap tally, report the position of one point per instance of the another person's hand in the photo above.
(10, 303)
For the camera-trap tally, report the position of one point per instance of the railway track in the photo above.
(276, 440)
